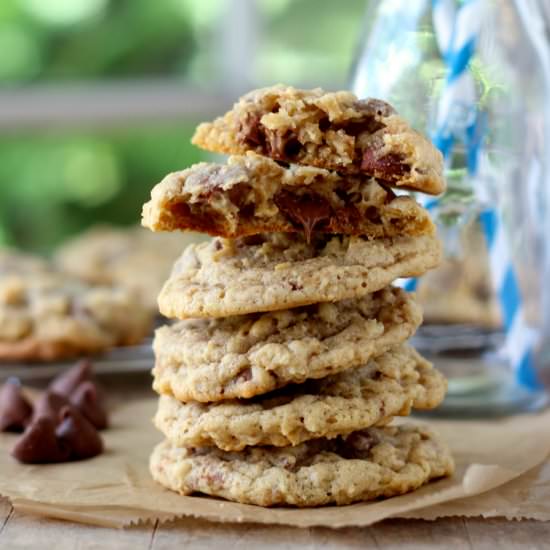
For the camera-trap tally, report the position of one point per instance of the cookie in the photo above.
(332, 130)
(253, 194)
(48, 315)
(389, 385)
(365, 465)
(460, 290)
(280, 270)
(15, 262)
(239, 357)
(130, 257)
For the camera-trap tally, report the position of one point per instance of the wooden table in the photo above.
(28, 532)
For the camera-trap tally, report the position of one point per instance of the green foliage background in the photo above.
(56, 182)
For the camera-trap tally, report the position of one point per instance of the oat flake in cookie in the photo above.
(253, 194)
(279, 271)
(332, 130)
(389, 385)
(365, 465)
(242, 356)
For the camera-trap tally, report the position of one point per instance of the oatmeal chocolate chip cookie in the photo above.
(14, 262)
(389, 385)
(365, 465)
(48, 315)
(239, 357)
(253, 194)
(332, 130)
(282, 270)
(129, 257)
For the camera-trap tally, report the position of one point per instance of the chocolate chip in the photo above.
(359, 444)
(49, 405)
(358, 127)
(237, 194)
(292, 148)
(389, 167)
(67, 382)
(40, 445)
(78, 434)
(372, 213)
(15, 410)
(343, 195)
(324, 124)
(247, 211)
(64, 421)
(295, 286)
(253, 240)
(87, 401)
(250, 130)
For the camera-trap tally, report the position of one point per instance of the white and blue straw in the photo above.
(458, 118)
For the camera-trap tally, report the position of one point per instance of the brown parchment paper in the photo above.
(115, 489)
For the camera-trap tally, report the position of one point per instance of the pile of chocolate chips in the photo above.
(62, 425)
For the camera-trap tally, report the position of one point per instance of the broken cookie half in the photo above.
(252, 194)
(332, 130)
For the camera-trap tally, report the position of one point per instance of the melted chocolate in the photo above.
(361, 442)
(389, 167)
(15, 410)
(309, 211)
(250, 131)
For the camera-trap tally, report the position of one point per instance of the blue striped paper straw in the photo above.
(458, 118)
(519, 337)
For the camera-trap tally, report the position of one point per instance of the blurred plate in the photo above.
(118, 360)
(456, 338)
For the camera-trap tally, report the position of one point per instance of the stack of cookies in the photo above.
(280, 381)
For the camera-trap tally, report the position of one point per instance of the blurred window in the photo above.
(99, 98)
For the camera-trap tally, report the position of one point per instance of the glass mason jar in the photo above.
(398, 59)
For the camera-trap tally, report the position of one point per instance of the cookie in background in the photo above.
(131, 257)
(459, 291)
(48, 315)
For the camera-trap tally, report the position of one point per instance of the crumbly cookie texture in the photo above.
(365, 465)
(48, 315)
(242, 356)
(130, 257)
(279, 271)
(389, 385)
(253, 194)
(332, 130)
